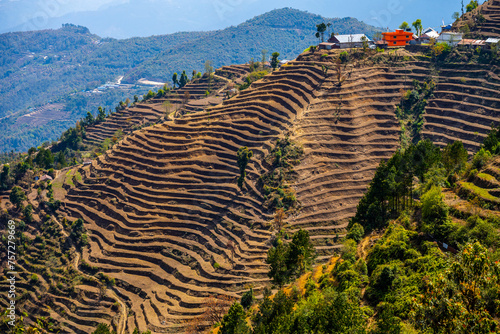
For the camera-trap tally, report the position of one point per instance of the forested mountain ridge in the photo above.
(287, 31)
(47, 78)
(55, 70)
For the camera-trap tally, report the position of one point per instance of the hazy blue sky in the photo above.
(126, 18)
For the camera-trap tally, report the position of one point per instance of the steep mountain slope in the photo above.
(163, 210)
(162, 206)
(484, 21)
(465, 105)
(345, 131)
(65, 65)
(183, 206)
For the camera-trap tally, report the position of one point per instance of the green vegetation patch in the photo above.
(411, 109)
(252, 77)
(472, 189)
(275, 184)
(486, 177)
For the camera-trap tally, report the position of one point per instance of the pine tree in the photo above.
(274, 60)
(184, 79)
(175, 79)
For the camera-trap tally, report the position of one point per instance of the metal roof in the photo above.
(477, 42)
(493, 40)
(354, 38)
(431, 33)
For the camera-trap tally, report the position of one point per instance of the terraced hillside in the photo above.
(346, 131)
(485, 186)
(490, 26)
(162, 206)
(167, 221)
(189, 98)
(477, 196)
(465, 105)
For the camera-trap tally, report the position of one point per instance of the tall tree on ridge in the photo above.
(175, 79)
(321, 28)
(404, 25)
(418, 26)
(274, 60)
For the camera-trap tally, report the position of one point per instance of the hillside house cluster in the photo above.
(346, 42)
(401, 38)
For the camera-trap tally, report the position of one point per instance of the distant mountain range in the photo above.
(60, 67)
(142, 18)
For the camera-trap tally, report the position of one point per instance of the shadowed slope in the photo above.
(465, 105)
(163, 204)
(484, 21)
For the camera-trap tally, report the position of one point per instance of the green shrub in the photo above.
(441, 50)
(247, 299)
(275, 183)
(481, 158)
(344, 56)
(492, 142)
(356, 232)
(102, 329)
(34, 279)
(243, 157)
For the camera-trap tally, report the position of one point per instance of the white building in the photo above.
(350, 41)
(452, 38)
(429, 33)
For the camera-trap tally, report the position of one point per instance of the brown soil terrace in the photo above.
(161, 206)
(491, 25)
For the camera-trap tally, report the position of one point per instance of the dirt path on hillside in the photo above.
(123, 319)
(122, 324)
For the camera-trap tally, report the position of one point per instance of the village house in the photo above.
(349, 41)
(46, 178)
(452, 38)
(381, 44)
(398, 38)
(472, 43)
(428, 35)
(328, 46)
(491, 41)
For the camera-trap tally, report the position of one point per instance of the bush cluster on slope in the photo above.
(404, 282)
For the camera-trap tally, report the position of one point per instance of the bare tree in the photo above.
(279, 218)
(264, 58)
(340, 73)
(215, 309)
(230, 245)
(185, 98)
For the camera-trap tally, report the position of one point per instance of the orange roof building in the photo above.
(398, 38)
